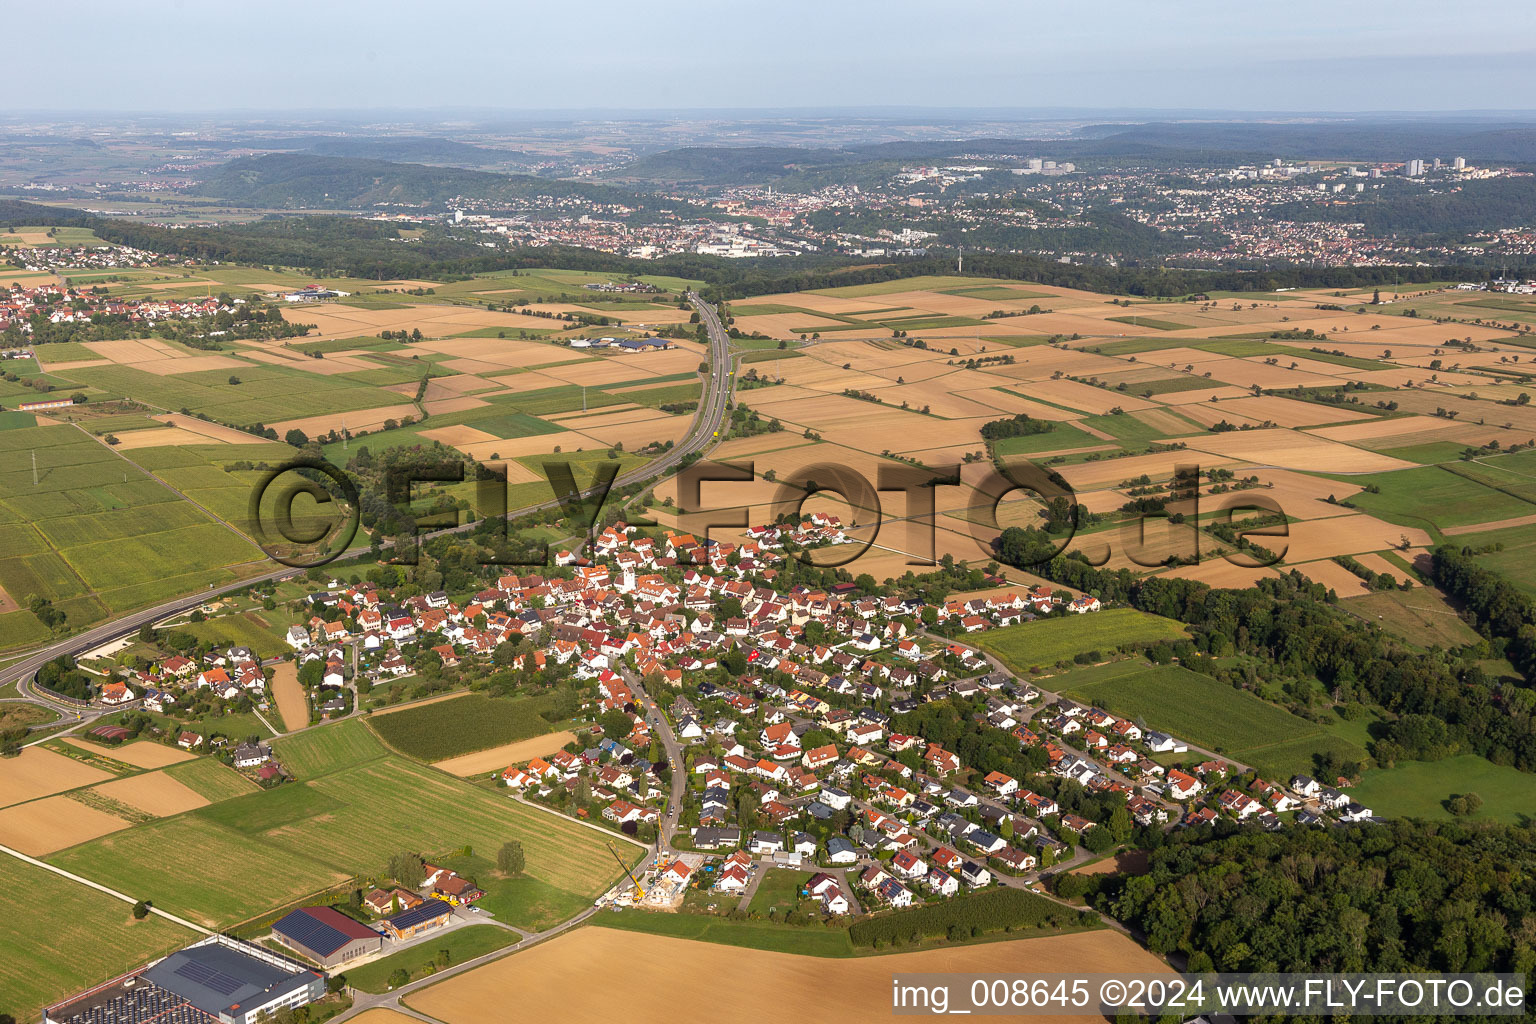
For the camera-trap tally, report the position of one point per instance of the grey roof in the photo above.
(216, 977)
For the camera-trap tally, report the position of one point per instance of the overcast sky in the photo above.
(1300, 55)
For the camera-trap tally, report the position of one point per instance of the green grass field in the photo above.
(265, 394)
(433, 732)
(1130, 430)
(1438, 496)
(1155, 324)
(390, 805)
(96, 530)
(200, 870)
(211, 780)
(1418, 616)
(779, 890)
(60, 937)
(1065, 436)
(1199, 709)
(462, 945)
(245, 629)
(1430, 453)
(1516, 559)
(328, 748)
(232, 861)
(1420, 789)
(1046, 642)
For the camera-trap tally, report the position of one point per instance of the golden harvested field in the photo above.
(866, 426)
(130, 440)
(334, 320)
(458, 435)
(153, 793)
(207, 432)
(1286, 412)
(1090, 476)
(1387, 428)
(1333, 576)
(1300, 495)
(53, 823)
(1096, 401)
(39, 772)
(497, 758)
(1289, 449)
(130, 351)
(1218, 572)
(178, 363)
(292, 704)
(358, 420)
(1343, 535)
(504, 351)
(556, 980)
(140, 753)
(332, 364)
(384, 1015)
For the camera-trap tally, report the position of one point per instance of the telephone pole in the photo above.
(583, 398)
(960, 261)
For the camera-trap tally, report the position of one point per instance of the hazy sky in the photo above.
(1298, 55)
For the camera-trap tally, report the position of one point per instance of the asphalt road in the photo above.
(706, 430)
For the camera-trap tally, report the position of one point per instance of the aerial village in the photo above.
(767, 728)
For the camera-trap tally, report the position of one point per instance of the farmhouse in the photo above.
(326, 936)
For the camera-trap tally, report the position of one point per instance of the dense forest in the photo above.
(1401, 896)
(1500, 610)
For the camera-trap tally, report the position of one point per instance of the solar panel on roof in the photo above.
(209, 977)
(305, 927)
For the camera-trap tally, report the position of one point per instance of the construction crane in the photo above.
(639, 892)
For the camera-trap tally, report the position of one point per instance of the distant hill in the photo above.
(744, 165)
(316, 181)
(1508, 142)
(1107, 145)
(423, 149)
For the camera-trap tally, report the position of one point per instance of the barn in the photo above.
(327, 936)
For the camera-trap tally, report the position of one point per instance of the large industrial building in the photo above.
(327, 936)
(216, 980)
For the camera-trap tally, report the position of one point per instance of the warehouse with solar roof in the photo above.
(216, 981)
(327, 936)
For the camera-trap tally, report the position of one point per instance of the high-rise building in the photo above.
(1460, 163)
(1414, 168)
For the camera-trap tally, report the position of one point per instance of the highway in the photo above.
(708, 425)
